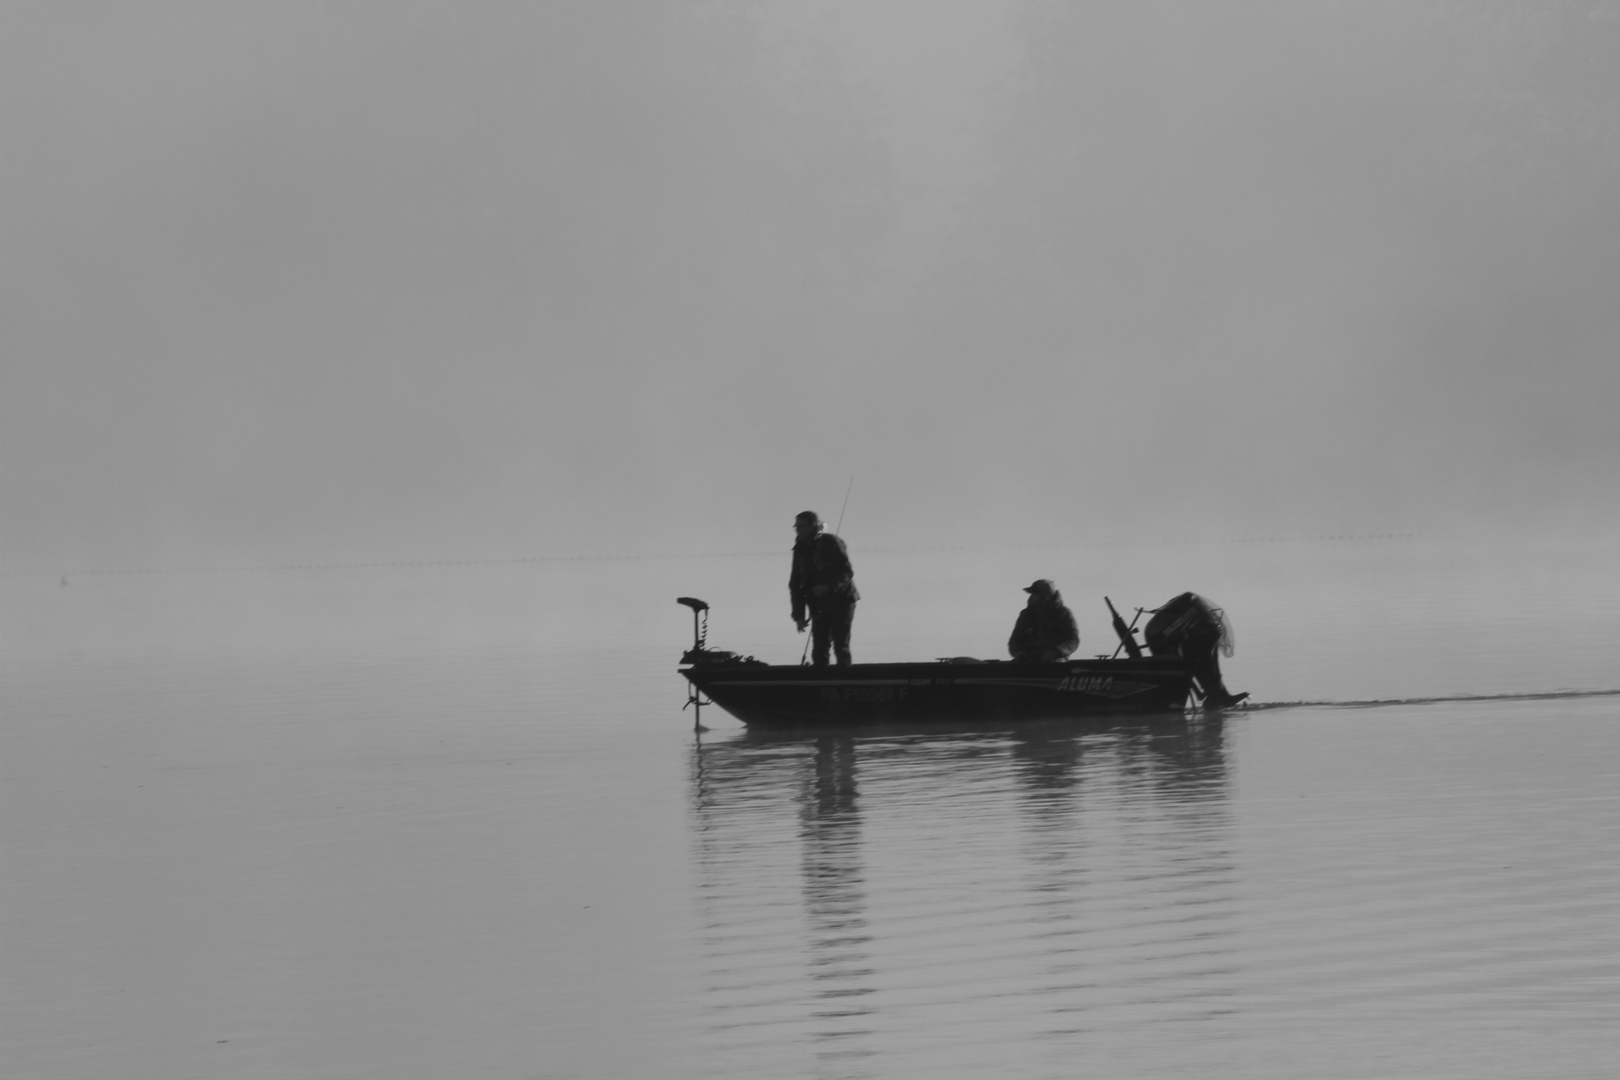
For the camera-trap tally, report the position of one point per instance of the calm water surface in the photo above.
(427, 822)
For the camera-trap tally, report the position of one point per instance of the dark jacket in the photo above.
(822, 575)
(1045, 630)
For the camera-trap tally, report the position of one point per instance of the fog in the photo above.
(368, 282)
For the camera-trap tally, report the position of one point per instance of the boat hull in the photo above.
(783, 696)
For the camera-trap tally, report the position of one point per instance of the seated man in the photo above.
(1191, 627)
(1045, 631)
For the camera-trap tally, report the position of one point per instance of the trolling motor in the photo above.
(700, 629)
(700, 634)
(700, 653)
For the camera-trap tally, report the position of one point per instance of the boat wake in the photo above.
(1374, 703)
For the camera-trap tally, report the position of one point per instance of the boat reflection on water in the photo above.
(833, 881)
(777, 816)
(848, 878)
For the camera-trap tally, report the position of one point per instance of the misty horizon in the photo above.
(316, 283)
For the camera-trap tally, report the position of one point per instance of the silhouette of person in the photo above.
(822, 587)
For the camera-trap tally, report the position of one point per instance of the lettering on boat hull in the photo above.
(1102, 686)
(844, 695)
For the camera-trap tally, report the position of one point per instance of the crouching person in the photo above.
(1195, 629)
(1045, 631)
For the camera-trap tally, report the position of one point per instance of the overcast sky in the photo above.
(396, 280)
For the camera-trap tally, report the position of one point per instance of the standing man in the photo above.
(823, 588)
(1045, 630)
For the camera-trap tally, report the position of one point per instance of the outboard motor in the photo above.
(1193, 628)
(1188, 619)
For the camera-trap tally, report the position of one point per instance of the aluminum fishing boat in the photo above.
(949, 690)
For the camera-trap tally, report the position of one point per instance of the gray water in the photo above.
(453, 821)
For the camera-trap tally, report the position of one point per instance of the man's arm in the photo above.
(1019, 641)
(835, 573)
(1070, 631)
(796, 589)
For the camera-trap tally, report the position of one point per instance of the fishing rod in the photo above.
(841, 509)
(840, 528)
(1126, 634)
